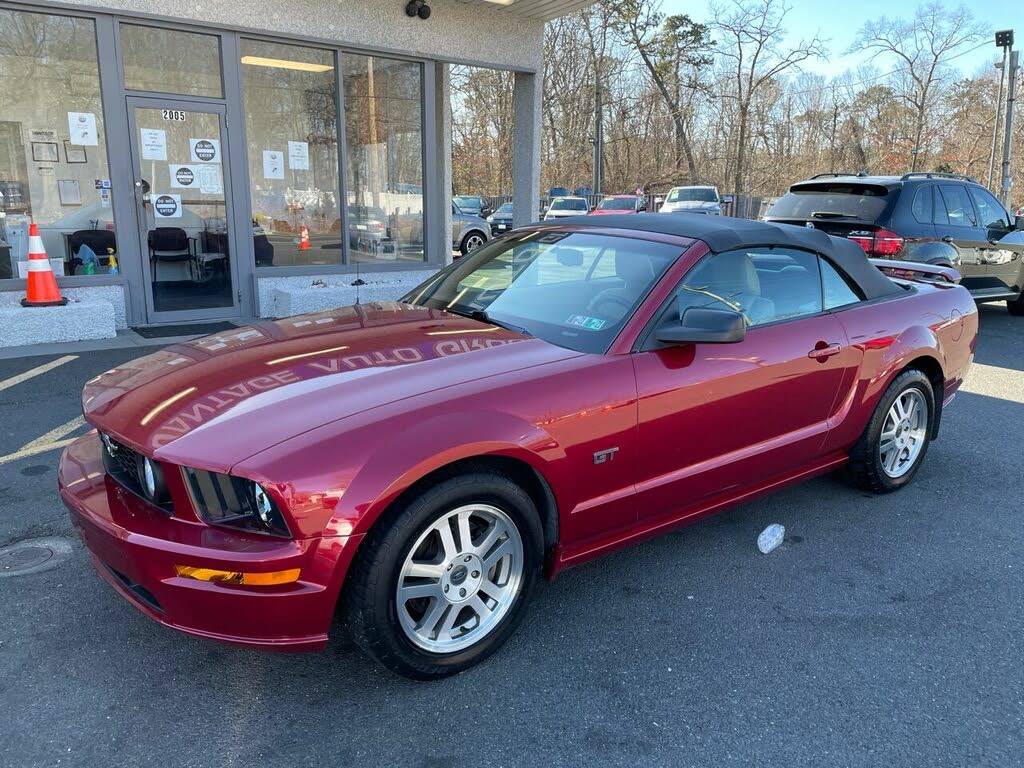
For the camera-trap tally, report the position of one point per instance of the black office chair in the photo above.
(169, 244)
(100, 240)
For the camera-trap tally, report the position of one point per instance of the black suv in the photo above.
(935, 218)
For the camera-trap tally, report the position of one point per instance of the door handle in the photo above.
(823, 351)
(947, 239)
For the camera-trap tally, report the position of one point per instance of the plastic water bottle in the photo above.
(770, 538)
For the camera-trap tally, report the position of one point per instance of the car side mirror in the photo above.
(1018, 224)
(704, 325)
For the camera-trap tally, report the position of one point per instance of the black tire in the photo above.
(865, 467)
(471, 241)
(370, 606)
(1016, 307)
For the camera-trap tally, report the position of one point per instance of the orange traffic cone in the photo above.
(303, 238)
(42, 288)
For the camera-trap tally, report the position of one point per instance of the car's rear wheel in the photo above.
(895, 442)
(442, 581)
(472, 241)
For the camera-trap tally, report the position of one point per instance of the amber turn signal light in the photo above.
(237, 577)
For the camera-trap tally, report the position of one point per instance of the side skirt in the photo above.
(566, 557)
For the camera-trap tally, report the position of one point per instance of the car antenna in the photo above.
(358, 282)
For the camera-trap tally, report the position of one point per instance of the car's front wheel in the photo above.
(895, 441)
(443, 579)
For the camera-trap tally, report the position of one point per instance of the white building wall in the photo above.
(456, 32)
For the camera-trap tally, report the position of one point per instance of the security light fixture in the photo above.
(1004, 38)
(418, 8)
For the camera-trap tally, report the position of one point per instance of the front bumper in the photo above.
(135, 547)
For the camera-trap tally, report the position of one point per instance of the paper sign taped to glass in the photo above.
(154, 143)
(210, 182)
(82, 128)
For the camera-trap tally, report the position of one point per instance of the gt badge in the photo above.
(606, 455)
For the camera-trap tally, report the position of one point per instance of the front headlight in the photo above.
(236, 502)
(491, 218)
(151, 480)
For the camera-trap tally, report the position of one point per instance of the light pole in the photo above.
(1001, 66)
(1004, 39)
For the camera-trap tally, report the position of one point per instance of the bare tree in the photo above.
(673, 49)
(922, 45)
(750, 33)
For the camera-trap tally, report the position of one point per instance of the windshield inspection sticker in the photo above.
(590, 323)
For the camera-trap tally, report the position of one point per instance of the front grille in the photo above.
(121, 463)
(221, 498)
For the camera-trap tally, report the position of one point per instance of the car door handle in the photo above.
(947, 239)
(823, 351)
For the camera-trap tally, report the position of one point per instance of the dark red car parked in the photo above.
(569, 389)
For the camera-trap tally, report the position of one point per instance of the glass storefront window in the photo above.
(292, 133)
(53, 153)
(171, 61)
(384, 158)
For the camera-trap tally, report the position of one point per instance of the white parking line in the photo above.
(33, 372)
(51, 441)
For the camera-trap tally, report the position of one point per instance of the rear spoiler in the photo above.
(912, 270)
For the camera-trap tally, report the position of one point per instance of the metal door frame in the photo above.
(154, 316)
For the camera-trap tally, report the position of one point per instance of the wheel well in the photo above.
(930, 367)
(473, 231)
(519, 472)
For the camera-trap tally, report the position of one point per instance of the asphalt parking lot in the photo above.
(885, 631)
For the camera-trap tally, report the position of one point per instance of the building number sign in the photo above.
(174, 114)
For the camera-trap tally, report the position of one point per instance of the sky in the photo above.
(839, 22)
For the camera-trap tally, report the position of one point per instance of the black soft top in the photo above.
(724, 233)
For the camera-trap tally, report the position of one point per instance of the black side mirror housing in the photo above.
(704, 325)
(1018, 224)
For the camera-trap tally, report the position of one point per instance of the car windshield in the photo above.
(362, 212)
(470, 203)
(693, 195)
(859, 202)
(505, 208)
(617, 204)
(572, 289)
(569, 204)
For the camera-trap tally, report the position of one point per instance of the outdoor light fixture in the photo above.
(1004, 38)
(418, 8)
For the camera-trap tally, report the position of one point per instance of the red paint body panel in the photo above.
(340, 412)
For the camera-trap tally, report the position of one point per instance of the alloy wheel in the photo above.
(460, 578)
(903, 433)
(473, 242)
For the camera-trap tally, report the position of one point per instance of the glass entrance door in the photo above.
(183, 201)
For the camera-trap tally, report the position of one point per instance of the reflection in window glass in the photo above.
(170, 61)
(571, 289)
(384, 138)
(291, 121)
(53, 144)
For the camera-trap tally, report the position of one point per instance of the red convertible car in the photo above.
(564, 391)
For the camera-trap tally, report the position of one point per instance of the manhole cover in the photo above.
(33, 556)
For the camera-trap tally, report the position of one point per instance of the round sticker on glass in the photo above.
(185, 176)
(167, 206)
(205, 150)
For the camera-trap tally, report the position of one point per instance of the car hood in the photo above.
(215, 401)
